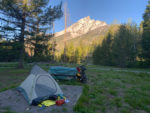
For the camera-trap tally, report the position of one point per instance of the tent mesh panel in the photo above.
(45, 86)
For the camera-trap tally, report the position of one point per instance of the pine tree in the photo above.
(18, 18)
(146, 34)
(102, 54)
(42, 22)
(52, 50)
(70, 52)
(124, 48)
(78, 55)
(97, 55)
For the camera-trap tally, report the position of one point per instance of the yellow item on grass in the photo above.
(63, 97)
(47, 103)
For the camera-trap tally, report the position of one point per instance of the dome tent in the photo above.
(39, 85)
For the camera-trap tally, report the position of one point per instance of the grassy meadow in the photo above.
(107, 90)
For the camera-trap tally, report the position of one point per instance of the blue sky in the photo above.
(103, 10)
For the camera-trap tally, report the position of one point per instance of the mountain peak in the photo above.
(82, 26)
(85, 18)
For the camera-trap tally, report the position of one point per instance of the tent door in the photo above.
(45, 86)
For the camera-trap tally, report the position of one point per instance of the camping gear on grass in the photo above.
(67, 73)
(60, 102)
(53, 97)
(39, 86)
(67, 100)
(47, 103)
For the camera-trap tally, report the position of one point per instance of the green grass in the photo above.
(119, 69)
(8, 64)
(106, 90)
(113, 91)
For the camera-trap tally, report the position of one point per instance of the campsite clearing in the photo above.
(106, 90)
(12, 99)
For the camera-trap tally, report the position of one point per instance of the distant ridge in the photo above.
(82, 26)
(85, 30)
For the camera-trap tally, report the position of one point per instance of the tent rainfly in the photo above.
(39, 85)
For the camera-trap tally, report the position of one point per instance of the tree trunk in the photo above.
(36, 54)
(21, 57)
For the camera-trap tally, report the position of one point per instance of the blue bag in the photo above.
(60, 72)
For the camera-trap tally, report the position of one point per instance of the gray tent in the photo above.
(38, 85)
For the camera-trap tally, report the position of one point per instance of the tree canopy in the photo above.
(21, 19)
(146, 34)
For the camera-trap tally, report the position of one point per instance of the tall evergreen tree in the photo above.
(102, 54)
(119, 48)
(18, 18)
(124, 48)
(146, 34)
(43, 21)
(52, 50)
(78, 55)
(8, 51)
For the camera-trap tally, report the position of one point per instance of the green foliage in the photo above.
(75, 54)
(78, 55)
(146, 34)
(137, 99)
(119, 48)
(124, 48)
(29, 19)
(40, 41)
(68, 53)
(102, 54)
(52, 50)
(9, 51)
(117, 101)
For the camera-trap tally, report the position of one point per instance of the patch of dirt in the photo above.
(18, 104)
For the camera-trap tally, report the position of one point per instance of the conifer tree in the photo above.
(124, 48)
(146, 34)
(18, 18)
(102, 54)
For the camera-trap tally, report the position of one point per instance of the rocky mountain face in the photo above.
(81, 27)
(85, 31)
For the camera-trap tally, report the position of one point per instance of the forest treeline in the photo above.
(122, 48)
(25, 37)
(125, 45)
(26, 22)
(128, 47)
